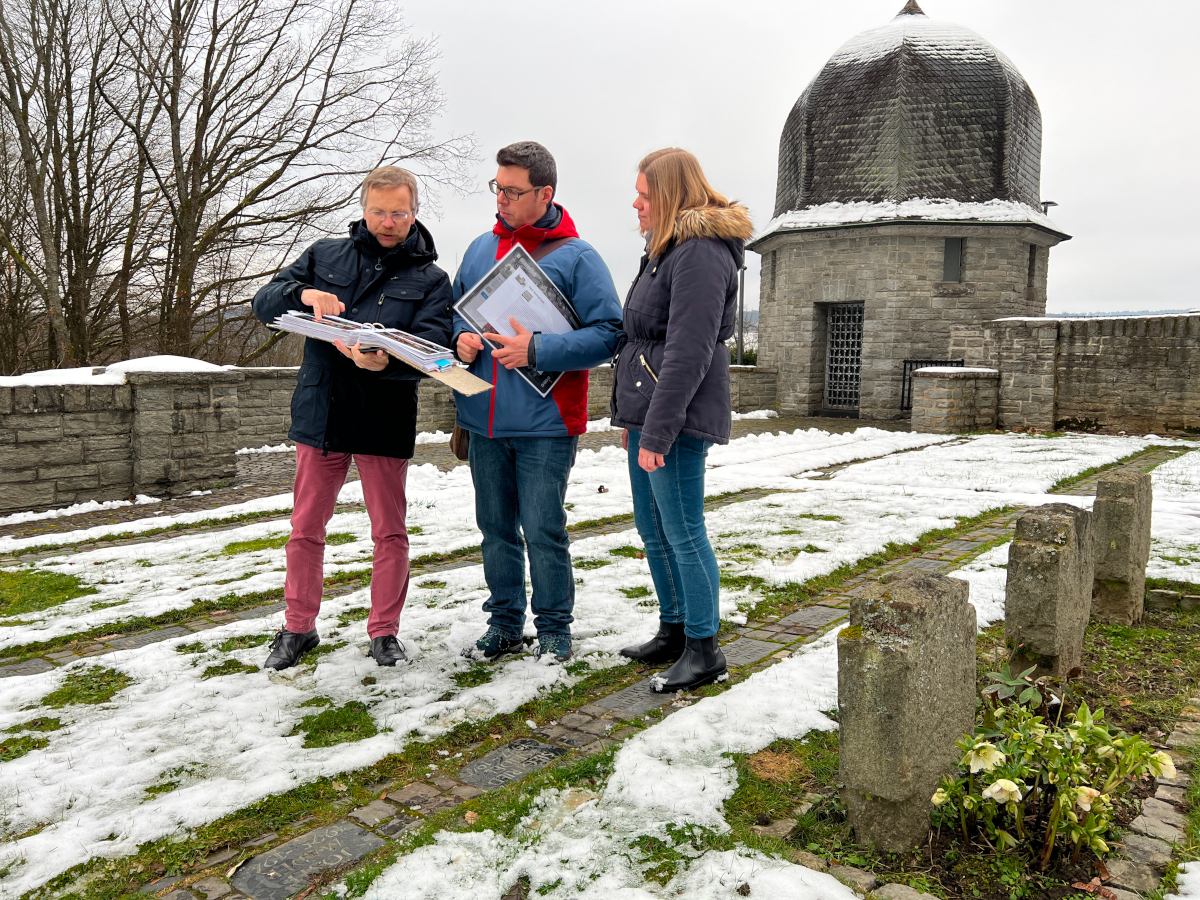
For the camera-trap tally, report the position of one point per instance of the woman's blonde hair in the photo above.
(676, 182)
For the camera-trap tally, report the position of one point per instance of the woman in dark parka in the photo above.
(671, 395)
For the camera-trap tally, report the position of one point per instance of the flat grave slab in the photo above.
(744, 651)
(28, 667)
(133, 641)
(813, 616)
(928, 565)
(509, 763)
(259, 612)
(282, 872)
(637, 699)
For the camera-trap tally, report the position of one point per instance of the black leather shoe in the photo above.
(664, 647)
(288, 647)
(387, 650)
(702, 663)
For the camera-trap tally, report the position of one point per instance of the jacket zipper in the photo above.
(642, 357)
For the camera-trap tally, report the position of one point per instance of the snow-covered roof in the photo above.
(914, 108)
(1007, 212)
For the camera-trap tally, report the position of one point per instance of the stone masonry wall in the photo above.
(1136, 373)
(63, 444)
(185, 430)
(952, 401)
(265, 403)
(895, 271)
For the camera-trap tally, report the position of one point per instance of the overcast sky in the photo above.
(603, 83)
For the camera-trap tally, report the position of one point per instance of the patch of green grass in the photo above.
(353, 615)
(164, 788)
(245, 642)
(816, 517)
(416, 529)
(659, 861)
(591, 563)
(340, 725)
(87, 686)
(311, 656)
(194, 647)
(264, 543)
(16, 747)
(41, 724)
(317, 701)
(31, 591)
(241, 577)
(144, 563)
(628, 552)
(432, 585)
(229, 667)
(812, 548)
(340, 537)
(474, 676)
(634, 592)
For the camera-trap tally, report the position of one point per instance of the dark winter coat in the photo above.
(673, 374)
(338, 406)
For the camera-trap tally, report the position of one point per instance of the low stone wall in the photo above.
(265, 402)
(953, 400)
(63, 444)
(1130, 373)
(185, 430)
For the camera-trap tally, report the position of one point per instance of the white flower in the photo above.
(1084, 797)
(939, 797)
(1002, 791)
(1162, 764)
(984, 757)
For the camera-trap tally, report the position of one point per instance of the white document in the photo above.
(519, 298)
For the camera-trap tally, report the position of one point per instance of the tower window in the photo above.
(952, 261)
(1031, 279)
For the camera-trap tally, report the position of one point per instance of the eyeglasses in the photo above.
(398, 217)
(510, 192)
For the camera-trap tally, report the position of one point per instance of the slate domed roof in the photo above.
(915, 109)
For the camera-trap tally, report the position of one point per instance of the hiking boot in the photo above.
(702, 663)
(553, 649)
(288, 647)
(387, 650)
(664, 647)
(493, 645)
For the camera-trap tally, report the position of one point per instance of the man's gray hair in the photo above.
(532, 156)
(388, 177)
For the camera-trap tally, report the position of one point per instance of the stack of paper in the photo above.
(417, 352)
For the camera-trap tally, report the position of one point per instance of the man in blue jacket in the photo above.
(522, 445)
(353, 404)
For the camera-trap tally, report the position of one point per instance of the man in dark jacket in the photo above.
(353, 404)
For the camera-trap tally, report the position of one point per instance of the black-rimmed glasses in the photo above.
(510, 192)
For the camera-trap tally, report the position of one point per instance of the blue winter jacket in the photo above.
(513, 408)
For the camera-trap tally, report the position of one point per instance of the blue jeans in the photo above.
(520, 485)
(668, 509)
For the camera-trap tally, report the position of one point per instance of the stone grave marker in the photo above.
(133, 641)
(1048, 594)
(1121, 543)
(509, 763)
(906, 693)
(28, 667)
(812, 617)
(745, 651)
(636, 700)
(282, 872)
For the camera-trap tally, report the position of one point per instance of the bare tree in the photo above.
(78, 163)
(266, 113)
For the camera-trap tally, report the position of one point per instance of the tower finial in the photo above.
(911, 9)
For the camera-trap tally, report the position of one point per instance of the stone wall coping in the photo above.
(223, 376)
(264, 370)
(958, 372)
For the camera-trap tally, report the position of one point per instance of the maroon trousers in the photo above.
(318, 480)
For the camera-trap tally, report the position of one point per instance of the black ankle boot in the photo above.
(664, 647)
(702, 663)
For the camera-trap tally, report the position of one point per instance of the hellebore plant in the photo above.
(1017, 763)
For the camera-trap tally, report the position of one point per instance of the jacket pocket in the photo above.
(311, 376)
(644, 377)
(397, 306)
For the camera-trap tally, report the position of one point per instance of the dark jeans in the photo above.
(520, 485)
(668, 509)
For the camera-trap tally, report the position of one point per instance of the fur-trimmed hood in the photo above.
(732, 222)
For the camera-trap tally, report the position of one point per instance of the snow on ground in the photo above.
(1188, 880)
(676, 774)
(228, 740)
(1175, 545)
(76, 508)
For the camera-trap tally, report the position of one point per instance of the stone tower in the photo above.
(908, 201)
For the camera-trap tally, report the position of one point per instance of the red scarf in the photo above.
(529, 236)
